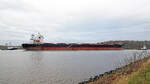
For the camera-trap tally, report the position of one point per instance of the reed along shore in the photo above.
(138, 64)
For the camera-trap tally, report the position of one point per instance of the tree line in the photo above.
(128, 44)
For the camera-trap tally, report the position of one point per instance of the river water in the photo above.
(56, 67)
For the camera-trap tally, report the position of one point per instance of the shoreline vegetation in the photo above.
(132, 70)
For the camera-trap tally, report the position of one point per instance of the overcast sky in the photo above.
(75, 20)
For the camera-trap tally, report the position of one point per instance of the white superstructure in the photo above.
(37, 38)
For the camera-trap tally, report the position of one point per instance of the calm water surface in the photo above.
(56, 67)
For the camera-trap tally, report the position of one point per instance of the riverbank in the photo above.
(141, 76)
(124, 74)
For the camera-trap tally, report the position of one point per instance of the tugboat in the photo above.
(144, 48)
(12, 48)
(37, 44)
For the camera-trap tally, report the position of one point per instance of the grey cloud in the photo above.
(94, 21)
(15, 5)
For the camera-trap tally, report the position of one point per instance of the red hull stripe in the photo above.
(74, 48)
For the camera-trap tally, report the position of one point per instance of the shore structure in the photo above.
(37, 44)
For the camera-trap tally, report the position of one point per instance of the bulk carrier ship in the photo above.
(37, 44)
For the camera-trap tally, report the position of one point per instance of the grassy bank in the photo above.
(136, 68)
(141, 76)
